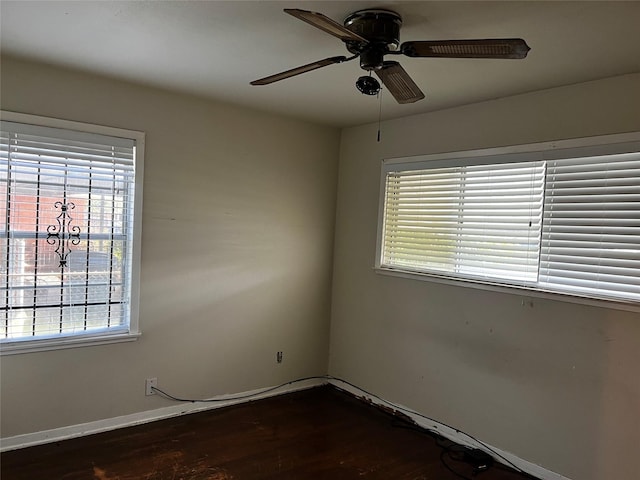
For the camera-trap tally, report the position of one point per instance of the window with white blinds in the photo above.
(591, 226)
(563, 220)
(67, 216)
(473, 221)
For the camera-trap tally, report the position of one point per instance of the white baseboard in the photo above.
(454, 435)
(73, 431)
(90, 428)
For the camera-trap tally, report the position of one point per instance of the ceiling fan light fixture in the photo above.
(372, 58)
(368, 85)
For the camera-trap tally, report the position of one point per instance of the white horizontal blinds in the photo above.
(479, 221)
(501, 220)
(591, 231)
(420, 219)
(4, 171)
(79, 186)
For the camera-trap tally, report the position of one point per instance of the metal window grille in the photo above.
(66, 223)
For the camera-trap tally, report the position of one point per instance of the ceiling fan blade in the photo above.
(488, 48)
(324, 23)
(298, 70)
(399, 83)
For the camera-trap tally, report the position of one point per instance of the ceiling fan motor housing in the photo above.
(381, 28)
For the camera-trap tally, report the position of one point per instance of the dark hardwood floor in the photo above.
(321, 433)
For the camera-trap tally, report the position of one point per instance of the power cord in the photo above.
(445, 444)
(372, 395)
(418, 414)
(239, 397)
(446, 453)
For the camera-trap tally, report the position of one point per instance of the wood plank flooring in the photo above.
(321, 433)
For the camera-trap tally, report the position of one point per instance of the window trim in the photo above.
(94, 338)
(552, 150)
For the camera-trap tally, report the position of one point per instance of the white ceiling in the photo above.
(215, 48)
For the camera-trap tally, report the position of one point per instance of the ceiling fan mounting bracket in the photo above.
(380, 27)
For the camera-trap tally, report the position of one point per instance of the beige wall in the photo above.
(555, 383)
(238, 226)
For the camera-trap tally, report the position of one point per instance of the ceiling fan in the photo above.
(371, 34)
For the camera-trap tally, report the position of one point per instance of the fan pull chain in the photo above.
(379, 112)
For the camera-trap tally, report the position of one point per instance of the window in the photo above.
(69, 233)
(556, 218)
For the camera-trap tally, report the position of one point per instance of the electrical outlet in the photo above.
(148, 384)
(279, 357)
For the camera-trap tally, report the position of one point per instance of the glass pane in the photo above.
(117, 315)
(19, 323)
(74, 320)
(20, 268)
(97, 316)
(47, 321)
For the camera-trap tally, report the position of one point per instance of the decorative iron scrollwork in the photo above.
(63, 234)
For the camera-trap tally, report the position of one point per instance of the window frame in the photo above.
(132, 333)
(544, 151)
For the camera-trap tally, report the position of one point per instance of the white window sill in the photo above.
(30, 346)
(512, 289)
